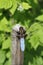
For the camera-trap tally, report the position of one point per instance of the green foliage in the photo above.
(8, 62)
(25, 5)
(5, 4)
(40, 18)
(8, 55)
(6, 26)
(14, 6)
(37, 61)
(29, 13)
(2, 56)
(6, 44)
(34, 40)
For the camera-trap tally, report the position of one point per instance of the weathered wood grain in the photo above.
(17, 55)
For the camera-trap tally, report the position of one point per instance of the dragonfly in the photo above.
(21, 35)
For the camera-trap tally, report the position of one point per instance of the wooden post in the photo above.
(17, 54)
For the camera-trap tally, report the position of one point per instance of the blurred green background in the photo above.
(28, 13)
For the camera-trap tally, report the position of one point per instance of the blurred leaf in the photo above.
(18, 1)
(2, 56)
(38, 61)
(42, 11)
(1, 64)
(2, 38)
(8, 55)
(26, 5)
(34, 27)
(4, 20)
(40, 17)
(0, 14)
(6, 44)
(36, 1)
(5, 4)
(34, 40)
(14, 6)
(41, 53)
(8, 62)
(29, 63)
(4, 25)
(40, 34)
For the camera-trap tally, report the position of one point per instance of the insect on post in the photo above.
(18, 44)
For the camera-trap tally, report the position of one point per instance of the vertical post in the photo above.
(17, 54)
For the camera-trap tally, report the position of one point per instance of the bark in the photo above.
(17, 55)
